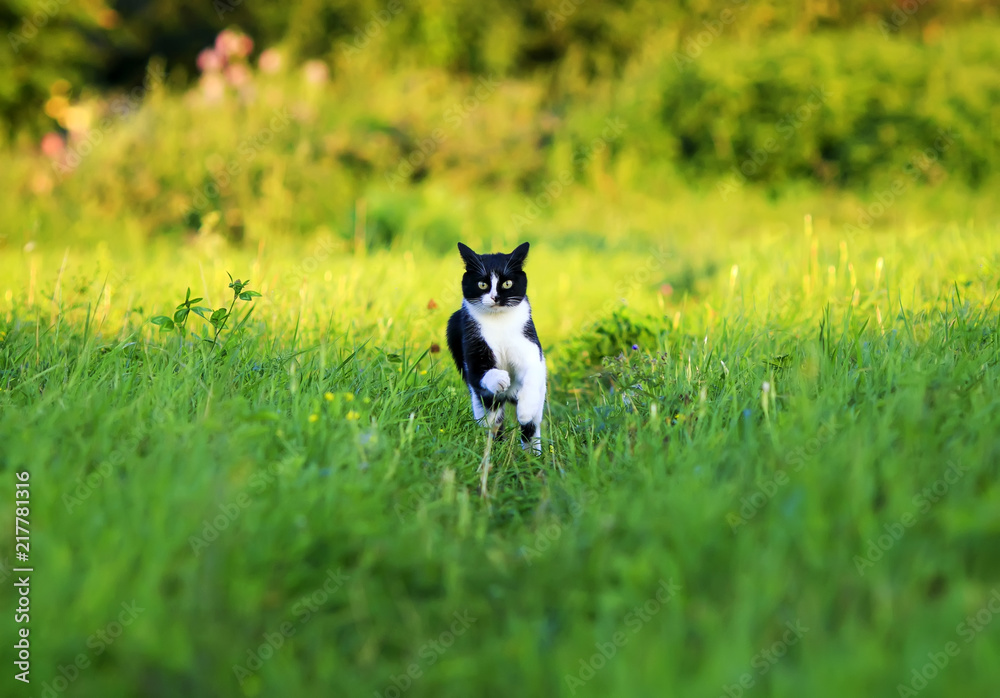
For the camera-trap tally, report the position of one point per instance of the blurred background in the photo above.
(382, 122)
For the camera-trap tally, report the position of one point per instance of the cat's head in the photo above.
(494, 282)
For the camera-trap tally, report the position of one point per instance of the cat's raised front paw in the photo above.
(496, 380)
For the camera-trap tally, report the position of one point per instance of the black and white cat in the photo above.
(494, 343)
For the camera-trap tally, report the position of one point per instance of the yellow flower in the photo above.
(328, 397)
(348, 396)
(352, 415)
(313, 418)
(423, 373)
(366, 400)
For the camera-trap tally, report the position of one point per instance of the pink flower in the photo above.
(237, 74)
(210, 61)
(246, 46)
(53, 145)
(224, 42)
(213, 87)
(316, 72)
(231, 43)
(269, 61)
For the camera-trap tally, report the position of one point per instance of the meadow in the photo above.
(771, 447)
(801, 438)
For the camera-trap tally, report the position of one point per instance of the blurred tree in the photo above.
(46, 41)
(107, 42)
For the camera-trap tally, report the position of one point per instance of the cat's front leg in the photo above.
(478, 411)
(487, 411)
(495, 380)
(530, 408)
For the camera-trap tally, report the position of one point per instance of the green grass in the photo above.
(326, 444)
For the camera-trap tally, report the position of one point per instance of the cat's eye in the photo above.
(483, 285)
(508, 283)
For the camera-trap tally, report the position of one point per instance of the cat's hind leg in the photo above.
(478, 411)
(488, 412)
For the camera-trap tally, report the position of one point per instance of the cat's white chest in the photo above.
(504, 334)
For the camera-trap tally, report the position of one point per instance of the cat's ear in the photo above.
(518, 256)
(470, 258)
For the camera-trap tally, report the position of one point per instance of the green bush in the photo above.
(436, 155)
(841, 109)
(105, 43)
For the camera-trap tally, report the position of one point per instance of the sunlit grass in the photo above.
(790, 394)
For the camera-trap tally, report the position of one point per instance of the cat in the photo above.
(493, 341)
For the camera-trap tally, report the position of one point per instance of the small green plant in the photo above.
(218, 319)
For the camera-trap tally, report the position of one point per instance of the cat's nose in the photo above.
(493, 297)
